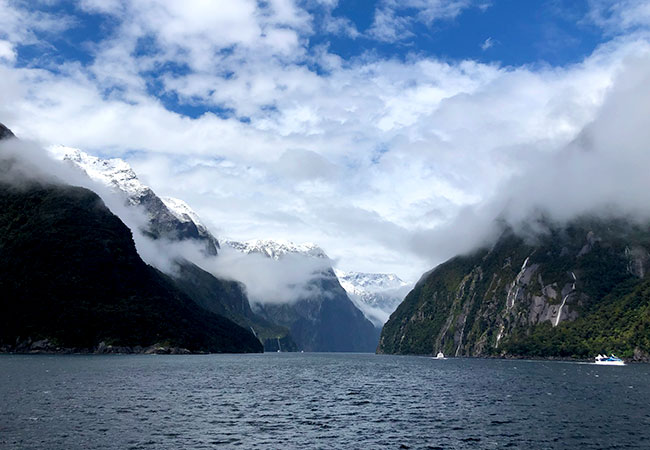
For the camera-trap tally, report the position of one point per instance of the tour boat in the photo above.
(440, 355)
(609, 360)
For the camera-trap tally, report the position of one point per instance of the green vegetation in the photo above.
(461, 305)
(619, 324)
(69, 272)
(227, 298)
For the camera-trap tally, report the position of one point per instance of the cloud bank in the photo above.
(391, 164)
(285, 280)
(603, 172)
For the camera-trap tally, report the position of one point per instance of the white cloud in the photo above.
(487, 44)
(113, 7)
(394, 18)
(389, 26)
(340, 26)
(7, 51)
(23, 25)
(484, 6)
(620, 15)
(367, 159)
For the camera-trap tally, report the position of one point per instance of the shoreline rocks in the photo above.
(47, 347)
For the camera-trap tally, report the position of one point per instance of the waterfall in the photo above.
(500, 335)
(510, 299)
(559, 312)
(279, 346)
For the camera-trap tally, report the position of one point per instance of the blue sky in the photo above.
(505, 32)
(368, 127)
(521, 32)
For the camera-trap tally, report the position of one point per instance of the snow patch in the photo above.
(377, 295)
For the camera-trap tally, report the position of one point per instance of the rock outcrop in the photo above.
(536, 296)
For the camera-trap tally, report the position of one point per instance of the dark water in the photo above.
(318, 401)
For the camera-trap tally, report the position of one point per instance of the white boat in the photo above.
(440, 355)
(611, 360)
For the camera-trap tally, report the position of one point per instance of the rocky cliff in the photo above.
(573, 290)
(71, 277)
(322, 318)
(168, 217)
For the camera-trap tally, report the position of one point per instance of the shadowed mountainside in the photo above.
(70, 274)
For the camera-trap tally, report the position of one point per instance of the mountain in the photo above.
(228, 298)
(177, 221)
(276, 249)
(70, 277)
(377, 295)
(5, 133)
(168, 218)
(322, 318)
(572, 291)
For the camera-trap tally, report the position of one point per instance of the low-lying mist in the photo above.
(23, 163)
(267, 280)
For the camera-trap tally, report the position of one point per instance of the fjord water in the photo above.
(318, 401)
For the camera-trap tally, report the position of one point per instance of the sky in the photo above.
(391, 133)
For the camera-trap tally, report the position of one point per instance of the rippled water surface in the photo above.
(318, 401)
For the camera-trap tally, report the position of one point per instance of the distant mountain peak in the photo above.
(363, 281)
(276, 248)
(377, 295)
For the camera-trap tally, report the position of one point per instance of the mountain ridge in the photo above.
(508, 300)
(323, 318)
(104, 292)
(104, 296)
(173, 219)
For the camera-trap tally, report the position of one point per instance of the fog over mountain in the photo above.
(603, 171)
(393, 155)
(281, 276)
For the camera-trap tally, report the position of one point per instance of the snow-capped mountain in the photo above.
(184, 213)
(320, 316)
(376, 294)
(169, 217)
(113, 172)
(276, 249)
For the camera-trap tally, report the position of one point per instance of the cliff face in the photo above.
(228, 299)
(326, 321)
(71, 275)
(322, 318)
(532, 297)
